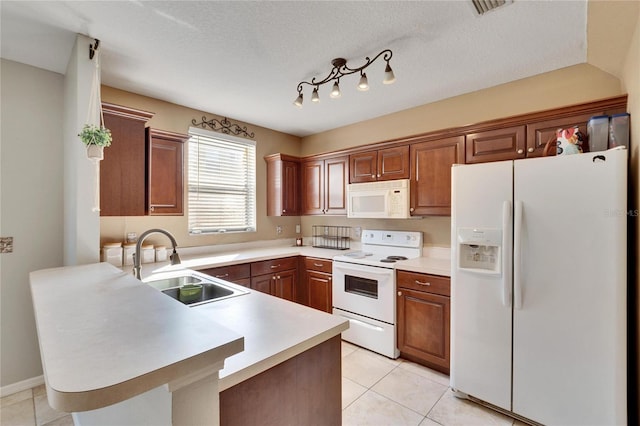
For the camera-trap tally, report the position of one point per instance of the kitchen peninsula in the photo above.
(105, 337)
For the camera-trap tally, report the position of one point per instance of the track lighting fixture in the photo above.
(339, 70)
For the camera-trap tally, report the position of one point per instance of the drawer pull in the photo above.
(222, 276)
(318, 264)
(421, 283)
(275, 266)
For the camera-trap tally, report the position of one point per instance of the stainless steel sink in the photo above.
(177, 281)
(213, 289)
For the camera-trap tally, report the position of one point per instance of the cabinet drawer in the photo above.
(315, 264)
(423, 282)
(229, 273)
(275, 265)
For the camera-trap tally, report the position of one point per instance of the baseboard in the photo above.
(20, 386)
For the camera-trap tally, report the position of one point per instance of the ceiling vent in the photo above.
(483, 6)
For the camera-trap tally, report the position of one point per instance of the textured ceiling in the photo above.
(244, 60)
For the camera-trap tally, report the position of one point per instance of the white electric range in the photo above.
(364, 288)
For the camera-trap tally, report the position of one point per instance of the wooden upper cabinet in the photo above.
(164, 172)
(122, 172)
(430, 186)
(336, 181)
(324, 186)
(312, 175)
(495, 145)
(383, 164)
(283, 185)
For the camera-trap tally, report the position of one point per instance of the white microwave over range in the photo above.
(383, 200)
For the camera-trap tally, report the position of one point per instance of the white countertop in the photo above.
(435, 260)
(105, 336)
(274, 330)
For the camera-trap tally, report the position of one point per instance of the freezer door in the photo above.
(569, 353)
(481, 302)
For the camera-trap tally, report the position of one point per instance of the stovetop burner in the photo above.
(397, 257)
(392, 259)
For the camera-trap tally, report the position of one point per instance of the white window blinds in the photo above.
(222, 183)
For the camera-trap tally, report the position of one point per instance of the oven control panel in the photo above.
(392, 238)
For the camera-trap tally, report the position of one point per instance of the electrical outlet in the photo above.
(278, 229)
(357, 232)
(6, 244)
(297, 229)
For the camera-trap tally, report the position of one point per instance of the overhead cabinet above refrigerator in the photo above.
(539, 286)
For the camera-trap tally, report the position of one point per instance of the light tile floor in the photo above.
(379, 391)
(375, 391)
(29, 408)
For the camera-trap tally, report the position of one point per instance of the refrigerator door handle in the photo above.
(506, 261)
(517, 255)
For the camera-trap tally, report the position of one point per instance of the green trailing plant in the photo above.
(95, 135)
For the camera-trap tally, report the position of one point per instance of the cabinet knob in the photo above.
(278, 277)
(399, 293)
(411, 209)
(373, 176)
(520, 151)
(284, 210)
(530, 150)
(152, 208)
(273, 277)
(378, 174)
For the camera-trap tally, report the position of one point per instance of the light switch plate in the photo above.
(297, 229)
(6, 244)
(278, 229)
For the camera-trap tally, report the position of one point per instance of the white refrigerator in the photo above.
(539, 287)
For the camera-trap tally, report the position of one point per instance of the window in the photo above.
(222, 183)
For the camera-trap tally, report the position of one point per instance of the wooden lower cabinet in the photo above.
(423, 323)
(318, 282)
(277, 277)
(304, 390)
(238, 274)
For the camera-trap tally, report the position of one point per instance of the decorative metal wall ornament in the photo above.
(339, 70)
(224, 126)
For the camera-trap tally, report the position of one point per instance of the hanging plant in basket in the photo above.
(95, 138)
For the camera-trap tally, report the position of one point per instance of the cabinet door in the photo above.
(431, 175)
(312, 175)
(336, 181)
(319, 290)
(233, 273)
(496, 145)
(122, 172)
(290, 188)
(363, 167)
(423, 327)
(538, 134)
(263, 283)
(164, 172)
(283, 185)
(285, 284)
(393, 163)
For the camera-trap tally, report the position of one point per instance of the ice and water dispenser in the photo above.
(479, 250)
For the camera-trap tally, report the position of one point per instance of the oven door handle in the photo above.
(373, 270)
(360, 322)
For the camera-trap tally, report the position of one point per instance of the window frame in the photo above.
(252, 186)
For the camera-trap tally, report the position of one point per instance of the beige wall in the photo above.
(32, 206)
(631, 84)
(177, 118)
(580, 83)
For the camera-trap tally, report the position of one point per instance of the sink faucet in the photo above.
(175, 259)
